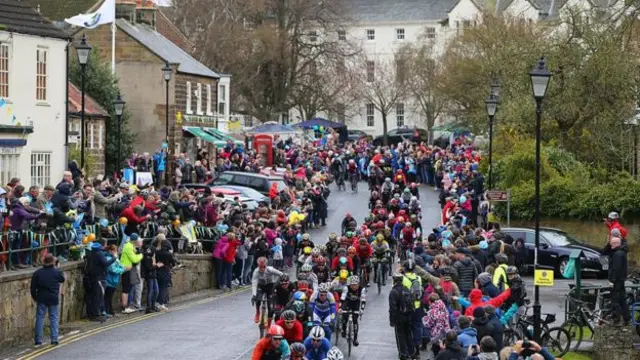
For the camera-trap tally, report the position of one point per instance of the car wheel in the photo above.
(562, 264)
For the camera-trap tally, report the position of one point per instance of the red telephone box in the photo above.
(263, 143)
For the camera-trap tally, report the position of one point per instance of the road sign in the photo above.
(497, 195)
(543, 278)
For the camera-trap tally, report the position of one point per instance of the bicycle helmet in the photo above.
(315, 252)
(321, 261)
(307, 250)
(306, 236)
(284, 278)
(298, 349)
(351, 251)
(333, 236)
(298, 306)
(322, 248)
(316, 333)
(379, 237)
(613, 215)
(348, 234)
(276, 332)
(343, 274)
(299, 296)
(262, 261)
(288, 315)
(354, 280)
(512, 270)
(343, 261)
(335, 354)
(323, 288)
(306, 268)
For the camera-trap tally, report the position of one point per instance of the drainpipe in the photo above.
(66, 108)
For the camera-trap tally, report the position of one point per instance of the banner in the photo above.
(143, 178)
(189, 232)
(106, 14)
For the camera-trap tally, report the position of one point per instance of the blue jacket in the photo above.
(490, 289)
(467, 337)
(319, 353)
(159, 161)
(45, 285)
(113, 272)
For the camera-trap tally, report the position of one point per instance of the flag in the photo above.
(106, 14)
(163, 3)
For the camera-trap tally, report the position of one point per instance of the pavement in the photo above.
(219, 326)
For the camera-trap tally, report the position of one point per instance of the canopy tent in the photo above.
(310, 124)
(222, 136)
(199, 132)
(272, 127)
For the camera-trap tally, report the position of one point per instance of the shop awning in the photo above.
(199, 132)
(222, 136)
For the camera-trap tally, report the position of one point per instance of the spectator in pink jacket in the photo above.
(218, 259)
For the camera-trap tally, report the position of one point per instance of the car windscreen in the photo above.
(557, 238)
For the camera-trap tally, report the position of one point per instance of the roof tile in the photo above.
(18, 17)
(91, 107)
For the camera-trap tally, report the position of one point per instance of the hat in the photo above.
(123, 185)
(49, 187)
(484, 245)
(134, 237)
(484, 278)
(464, 322)
(616, 233)
(479, 312)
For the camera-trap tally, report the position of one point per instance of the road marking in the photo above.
(79, 336)
(243, 354)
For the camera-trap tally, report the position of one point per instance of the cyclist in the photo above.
(303, 314)
(323, 307)
(352, 170)
(338, 285)
(375, 196)
(317, 344)
(284, 289)
(354, 300)
(348, 223)
(414, 190)
(355, 260)
(273, 346)
(405, 197)
(293, 329)
(400, 179)
(262, 282)
(332, 246)
(381, 252)
(321, 270)
(297, 351)
(386, 190)
(364, 254)
(342, 263)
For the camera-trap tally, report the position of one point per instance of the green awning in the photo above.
(222, 136)
(199, 132)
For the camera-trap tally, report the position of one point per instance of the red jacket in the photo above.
(132, 217)
(230, 255)
(294, 334)
(616, 225)
(399, 179)
(335, 263)
(364, 251)
(475, 297)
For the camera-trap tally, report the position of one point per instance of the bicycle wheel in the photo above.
(510, 336)
(379, 278)
(337, 329)
(574, 328)
(557, 340)
(350, 334)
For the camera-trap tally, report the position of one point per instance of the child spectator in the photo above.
(278, 258)
(114, 271)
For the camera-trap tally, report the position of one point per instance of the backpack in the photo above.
(406, 305)
(416, 289)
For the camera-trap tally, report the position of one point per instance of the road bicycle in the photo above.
(263, 318)
(381, 273)
(353, 179)
(556, 339)
(350, 329)
(364, 272)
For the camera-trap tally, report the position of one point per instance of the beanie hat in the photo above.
(479, 312)
(133, 237)
(484, 278)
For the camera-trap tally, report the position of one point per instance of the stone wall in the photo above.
(614, 342)
(17, 310)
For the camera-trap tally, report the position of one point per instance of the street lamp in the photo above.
(495, 87)
(492, 107)
(118, 104)
(83, 49)
(540, 77)
(166, 74)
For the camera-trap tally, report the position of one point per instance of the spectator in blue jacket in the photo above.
(467, 335)
(114, 272)
(45, 291)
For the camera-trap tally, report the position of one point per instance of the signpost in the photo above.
(543, 278)
(500, 196)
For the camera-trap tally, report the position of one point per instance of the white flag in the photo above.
(163, 3)
(106, 14)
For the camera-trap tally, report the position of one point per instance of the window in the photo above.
(313, 36)
(9, 166)
(457, 27)
(199, 99)
(370, 115)
(431, 33)
(399, 114)
(371, 71)
(40, 168)
(222, 99)
(221, 108)
(399, 34)
(91, 143)
(209, 99)
(100, 135)
(285, 118)
(371, 34)
(466, 23)
(342, 35)
(41, 74)
(4, 72)
(189, 111)
(248, 121)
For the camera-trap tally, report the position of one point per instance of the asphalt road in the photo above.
(224, 330)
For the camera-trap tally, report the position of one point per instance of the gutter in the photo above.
(66, 107)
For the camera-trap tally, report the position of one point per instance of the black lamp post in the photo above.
(492, 107)
(166, 74)
(540, 77)
(83, 49)
(118, 104)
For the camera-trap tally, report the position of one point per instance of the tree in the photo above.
(423, 72)
(377, 82)
(102, 86)
(593, 89)
(268, 46)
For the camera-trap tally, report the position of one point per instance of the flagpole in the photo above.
(113, 47)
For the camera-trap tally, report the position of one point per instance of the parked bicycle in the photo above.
(556, 339)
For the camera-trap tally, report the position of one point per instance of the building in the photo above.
(33, 85)
(95, 129)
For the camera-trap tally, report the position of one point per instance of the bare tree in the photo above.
(379, 82)
(269, 46)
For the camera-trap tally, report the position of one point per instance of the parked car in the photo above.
(555, 248)
(248, 193)
(355, 135)
(398, 135)
(273, 172)
(258, 182)
(228, 194)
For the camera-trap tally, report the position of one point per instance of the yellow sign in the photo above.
(543, 278)
(178, 118)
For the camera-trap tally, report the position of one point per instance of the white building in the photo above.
(33, 88)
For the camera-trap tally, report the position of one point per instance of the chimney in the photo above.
(126, 9)
(146, 12)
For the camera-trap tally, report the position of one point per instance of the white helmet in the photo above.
(613, 215)
(317, 333)
(335, 354)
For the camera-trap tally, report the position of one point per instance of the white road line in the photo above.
(243, 354)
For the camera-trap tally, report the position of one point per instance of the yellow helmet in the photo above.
(343, 274)
(307, 250)
(379, 237)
